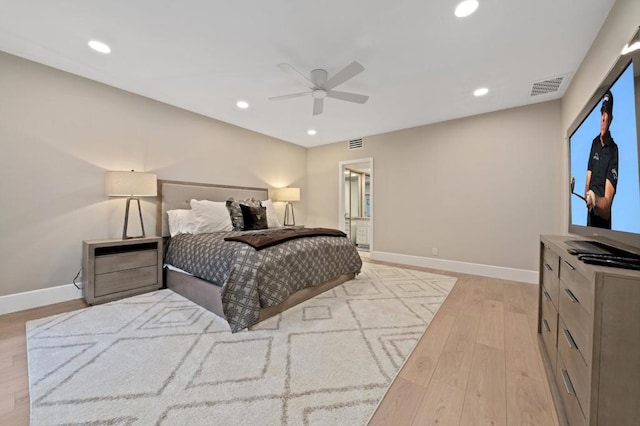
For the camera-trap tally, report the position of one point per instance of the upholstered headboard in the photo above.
(177, 195)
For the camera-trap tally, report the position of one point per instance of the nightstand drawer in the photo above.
(115, 282)
(115, 268)
(123, 261)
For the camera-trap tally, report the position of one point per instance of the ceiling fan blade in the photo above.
(318, 105)
(350, 71)
(297, 75)
(346, 96)
(293, 95)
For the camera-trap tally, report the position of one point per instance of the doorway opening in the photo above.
(355, 206)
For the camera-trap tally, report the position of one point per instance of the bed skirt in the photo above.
(209, 295)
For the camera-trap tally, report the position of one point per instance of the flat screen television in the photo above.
(623, 82)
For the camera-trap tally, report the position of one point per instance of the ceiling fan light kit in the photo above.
(319, 94)
(320, 85)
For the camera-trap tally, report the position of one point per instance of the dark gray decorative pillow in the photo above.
(254, 217)
(236, 212)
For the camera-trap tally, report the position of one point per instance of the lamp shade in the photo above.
(287, 194)
(131, 184)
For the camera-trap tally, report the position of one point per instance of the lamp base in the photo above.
(126, 220)
(289, 217)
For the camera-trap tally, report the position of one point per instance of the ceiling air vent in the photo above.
(546, 86)
(356, 143)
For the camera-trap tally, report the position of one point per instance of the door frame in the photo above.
(341, 207)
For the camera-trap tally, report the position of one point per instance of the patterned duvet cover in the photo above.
(252, 279)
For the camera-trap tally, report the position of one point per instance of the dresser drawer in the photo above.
(568, 396)
(552, 259)
(577, 320)
(549, 329)
(581, 287)
(362, 234)
(115, 282)
(575, 365)
(551, 283)
(123, 261)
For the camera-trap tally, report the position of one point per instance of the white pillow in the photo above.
(272, 219)
(211, 216)
(181, 221)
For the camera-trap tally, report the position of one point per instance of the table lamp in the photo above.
(288, 195)
(131, 185)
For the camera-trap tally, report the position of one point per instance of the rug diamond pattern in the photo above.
(159, 359)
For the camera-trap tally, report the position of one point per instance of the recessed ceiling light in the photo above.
(466, 8)
(311, 132)
(480, 92)
(99, 46)
(242, 104)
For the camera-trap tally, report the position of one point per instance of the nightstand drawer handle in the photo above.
(569, 338)
(546, 296)
(571, 296)
(567, 383)
(546, 325)
(569, 265)
(548, 267)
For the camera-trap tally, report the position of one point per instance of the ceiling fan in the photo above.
(322, 87)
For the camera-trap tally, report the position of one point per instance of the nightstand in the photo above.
(116, 268)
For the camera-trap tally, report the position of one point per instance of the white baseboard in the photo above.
(36, 298)
(512, 274)
(63, 293)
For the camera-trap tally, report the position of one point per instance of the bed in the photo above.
(233, 279)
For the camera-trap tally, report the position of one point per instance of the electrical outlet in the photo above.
(434, 251)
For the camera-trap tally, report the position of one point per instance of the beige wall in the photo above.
(619, 27)
(480, 189)
(58, 135)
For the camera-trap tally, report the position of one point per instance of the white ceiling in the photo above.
(421, 62)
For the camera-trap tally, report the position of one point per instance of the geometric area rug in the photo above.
(159, 359)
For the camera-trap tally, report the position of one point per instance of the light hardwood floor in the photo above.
(478, 363)
(14, 382)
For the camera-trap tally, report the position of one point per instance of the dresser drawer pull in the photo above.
(569, 338)
(546, 325)
(546, 296)
(548, 267)
(567, 383)
(571, 296)
(569, 265)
